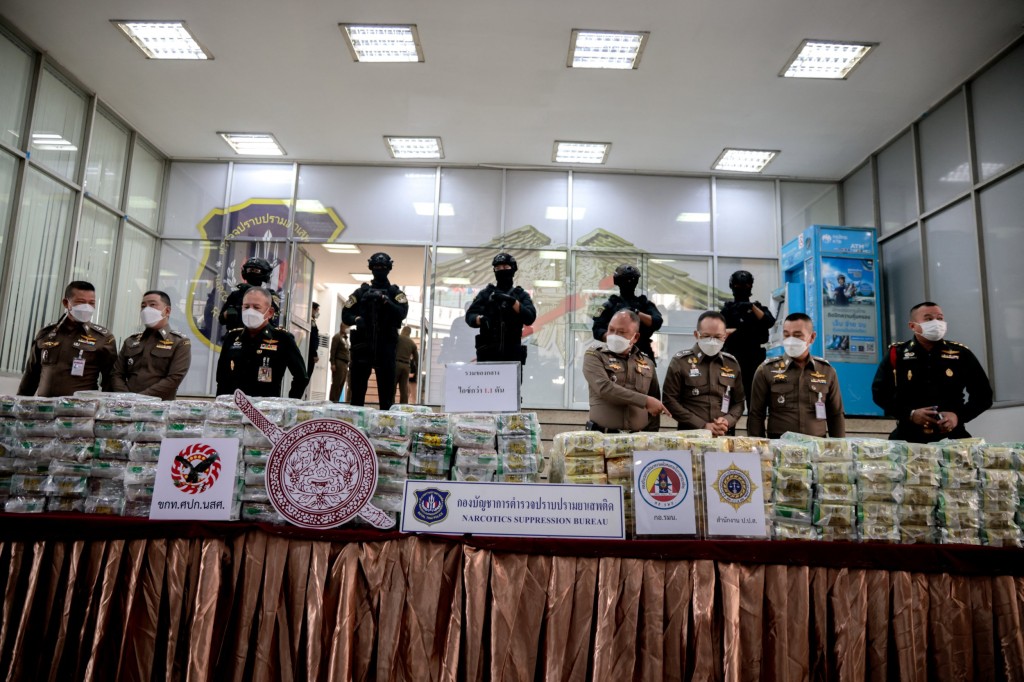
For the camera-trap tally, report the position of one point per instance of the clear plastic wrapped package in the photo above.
(112, 505)
(910, 535)
(112, 448)
(78, 449)
(28, 485)
(960, 536)
(351, 414)
(433, 464)
(518, 423)
(878, 532)
(410, 409)
(101, 468)
(65, 504)
(30, 407)
(187, 410)
(391, 466)
(519, 444)
(224, 409)
(74, 427)
(144, 452)
(260, 512)
(25, 504)
(150, 411)
(786, 530)
(147, 431)
(791, 455)
(835, 515)
(66, 486)
(474, 430)
(431, 443)
(223, 429)
(175, 428)
(429, 422)
(35, 428)
(386, 423)
(115, 430)
(397, 446)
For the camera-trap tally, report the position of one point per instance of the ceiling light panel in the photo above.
(253, 144)
(591, 49)
(421, 148)
(383, 42)
(163, 39)
(825, 59)
(581, 152)
(743, 160)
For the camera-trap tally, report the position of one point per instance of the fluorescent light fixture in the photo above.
(414, 148)
(253, 144)
(456, 280)
(163, 39)
(426, 208)
(743, 160)
(450, 249)
(549, 283)
(562, 212)
(361, 276)
(309, 206)
(552, 255)
(693, 217)
(342, 248)
(825, 59)
(581, 152)
(383, 42)
(662, 260)
(593, 49)
(52, 142)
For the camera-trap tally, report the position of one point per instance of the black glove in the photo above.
(502, 299)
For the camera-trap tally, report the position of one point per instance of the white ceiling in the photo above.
(708, 78)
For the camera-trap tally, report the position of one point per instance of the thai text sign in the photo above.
(734, 494)
(663, 494)
(195, 479)
(482, 387)
(513, 509)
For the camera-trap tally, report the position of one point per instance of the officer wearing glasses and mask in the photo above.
(621, 381)
(800, 393)
(931, 386)
(156, 360)
(72, 354)
(704, 387)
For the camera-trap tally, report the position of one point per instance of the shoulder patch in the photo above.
(769, 361)
(728, 355)
(400, 297)
(101, 330)
(684, 353)
(954, 343)
(821, 360)
(176, 333)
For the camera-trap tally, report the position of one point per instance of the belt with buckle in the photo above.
(593, 426)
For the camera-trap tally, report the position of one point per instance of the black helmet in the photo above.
(739, 278)
(256, 271)
(505, 259)
(626, 274)
(380, 260)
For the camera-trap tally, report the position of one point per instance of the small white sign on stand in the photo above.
(482, 387)
(663, 494)
(195, 479)
(734, 494)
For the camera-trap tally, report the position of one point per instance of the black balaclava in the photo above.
(626, 277)
(503, 278)
(380, 265)
(742, 284)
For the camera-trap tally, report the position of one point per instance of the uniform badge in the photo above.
(431, 505)
(131, 361)
(694, 371)
(779, 377)
(350, 301)
(401, 298)
(695, 391)
(910, 375)
(949, 372)
(782, 400)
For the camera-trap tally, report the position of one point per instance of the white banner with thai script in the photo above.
(734, 494)
(482, 387)
(663, 495)
(195, 479)
(526, 510)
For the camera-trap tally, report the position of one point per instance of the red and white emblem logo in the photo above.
(195, 469)
(321, 473)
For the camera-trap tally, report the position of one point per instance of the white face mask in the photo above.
(82, 312)
(933, 330)
(151, 316)
(252, 318)
(794, 347)
(617, 344)
(710, 347)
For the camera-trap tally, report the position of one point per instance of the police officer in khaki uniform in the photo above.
(621, 380)
(156, 360)
(255, 357)
(72, 354)
(931, 386)
(704, 387)
(800, 393)
(407, 359)
(340, 357)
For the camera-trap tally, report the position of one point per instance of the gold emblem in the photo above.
(910, 375)
(350, 301)
(401, 297)
(949, 372)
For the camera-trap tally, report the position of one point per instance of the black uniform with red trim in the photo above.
(255, 363)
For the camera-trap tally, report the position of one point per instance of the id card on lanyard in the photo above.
(265, 374)
(78, 365)
(819, 407)
(726, 401)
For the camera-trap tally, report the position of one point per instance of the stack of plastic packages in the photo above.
(254, 502)
(835, 504)
(578, 457)
(430, 448)
(7, 439)
(476, 455)
(520, 457)
(793, 489)
(30, 446)
(121, 421)
(1000, 499)
(959, 508)
(880, 466)
(618, 466)
(389, 434)
(922, 478)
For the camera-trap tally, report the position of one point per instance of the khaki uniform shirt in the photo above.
(153, 362)
(619, 387)
(339, 352)
(696, 384)
(51, 359)
(788, 393)
(406, 353)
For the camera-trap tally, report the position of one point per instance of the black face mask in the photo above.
(504, 278)
(253, 279)
(741, 292)
(628, 288)
(380, 276)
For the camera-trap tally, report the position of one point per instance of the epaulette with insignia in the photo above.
(769, 361)
(728, 355)
(955, 343)
(177, 333)
(684, 353)
(136, 336)
(47, 329)
(96, 327)
(821, 360)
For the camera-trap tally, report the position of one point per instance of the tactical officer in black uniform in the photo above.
(626, 278)
(748, 324)
(374, 314)
(932, 387)
(501, 311)
(255, 273)
(253, 358)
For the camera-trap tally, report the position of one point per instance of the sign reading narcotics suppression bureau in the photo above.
(482, 387)
(526, 510)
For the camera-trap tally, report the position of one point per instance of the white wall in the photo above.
(1005, 425)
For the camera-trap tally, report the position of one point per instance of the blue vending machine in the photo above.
(831, 273)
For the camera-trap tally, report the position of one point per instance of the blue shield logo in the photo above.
(431, 505)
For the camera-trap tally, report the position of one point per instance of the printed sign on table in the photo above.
(482, 387)
(663, 495)
(734, 493)
(195, 479)
(513, 509)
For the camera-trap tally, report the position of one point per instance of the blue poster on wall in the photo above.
(849, 313)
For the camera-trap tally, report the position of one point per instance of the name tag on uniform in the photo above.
(819, 409)
(78, 367)
(268, 346)
(819, 381)
(694, 372)
(265, 375)
(725, 402)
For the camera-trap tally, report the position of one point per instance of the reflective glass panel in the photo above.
(897, 191)
(997, 97)
(858, 198)
(195, 200)
(805, 204)
(145, 186)
(902, 280)
(745, 218)
(945, 171)
(15, 81)
(470, 209)
(95, 252)
(536, 209)
(58, 124)
(108, 152)
(133, 277)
